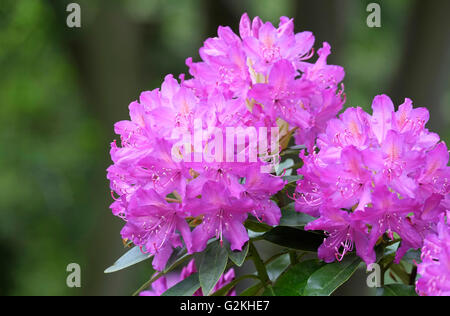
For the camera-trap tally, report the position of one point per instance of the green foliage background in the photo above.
(62, 89)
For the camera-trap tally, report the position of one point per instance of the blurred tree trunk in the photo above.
(218, 12)
(326, 19)
(106, 54)
(423, 75)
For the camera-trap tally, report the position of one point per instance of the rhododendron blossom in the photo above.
(434, 270)
(267, 68)
(374, 174)
(160, 180)
(199, 167)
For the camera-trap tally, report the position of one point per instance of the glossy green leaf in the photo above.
(176, 259)
(298, 147)
(291, 179)
(132, 257)
(253, 235)
(212, 265)
(277, 266)
(187, 287)
(293, 150)
(253, 290)
(256, 226)
(290, 217)
(293, 281)
(169, 267)
(397, 290)
(294, 238)
(412, 257)
(284, 167)
(223, 291)
(238, 257)
(324, 281)
(268, 291)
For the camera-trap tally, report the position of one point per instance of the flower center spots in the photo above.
(271, 54)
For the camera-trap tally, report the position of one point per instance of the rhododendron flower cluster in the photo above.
(164, 283)
(435, 266)
(372, 175)
(258, 79)
(200, 159)
(267, 68)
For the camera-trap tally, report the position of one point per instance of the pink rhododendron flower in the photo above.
(152, 223)
(434, 270)
(266, 67)
(166, 282)
(158, 194)
(247, 81)
(343, 232)
(198, 156)
(224, 216)
(372, 175)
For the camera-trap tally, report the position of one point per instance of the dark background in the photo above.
(62, 89)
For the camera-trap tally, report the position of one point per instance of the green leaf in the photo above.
(290, 217)
(277, 266)
(212, 265)
(397, 290)
(269, 291)
(223, 291)
(298, 147)
(400, 271)
(285, 165)
(169, 267)
(293, 281)
(254, 235)
(294, 238)
(324, 281)
(252, 290)
(391, 249)
(256, 226)
(412, 257)
(177, 258)
(238, 257)
(259, 264)
(187, 287)
(293, 150)
(130, 258)
(291, 179)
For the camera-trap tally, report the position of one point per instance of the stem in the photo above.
(412, 279)
(259, 265)
(293, 257)
(148, 283)
(281, 198)
(385, 264)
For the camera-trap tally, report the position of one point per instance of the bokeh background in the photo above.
(62, 89)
